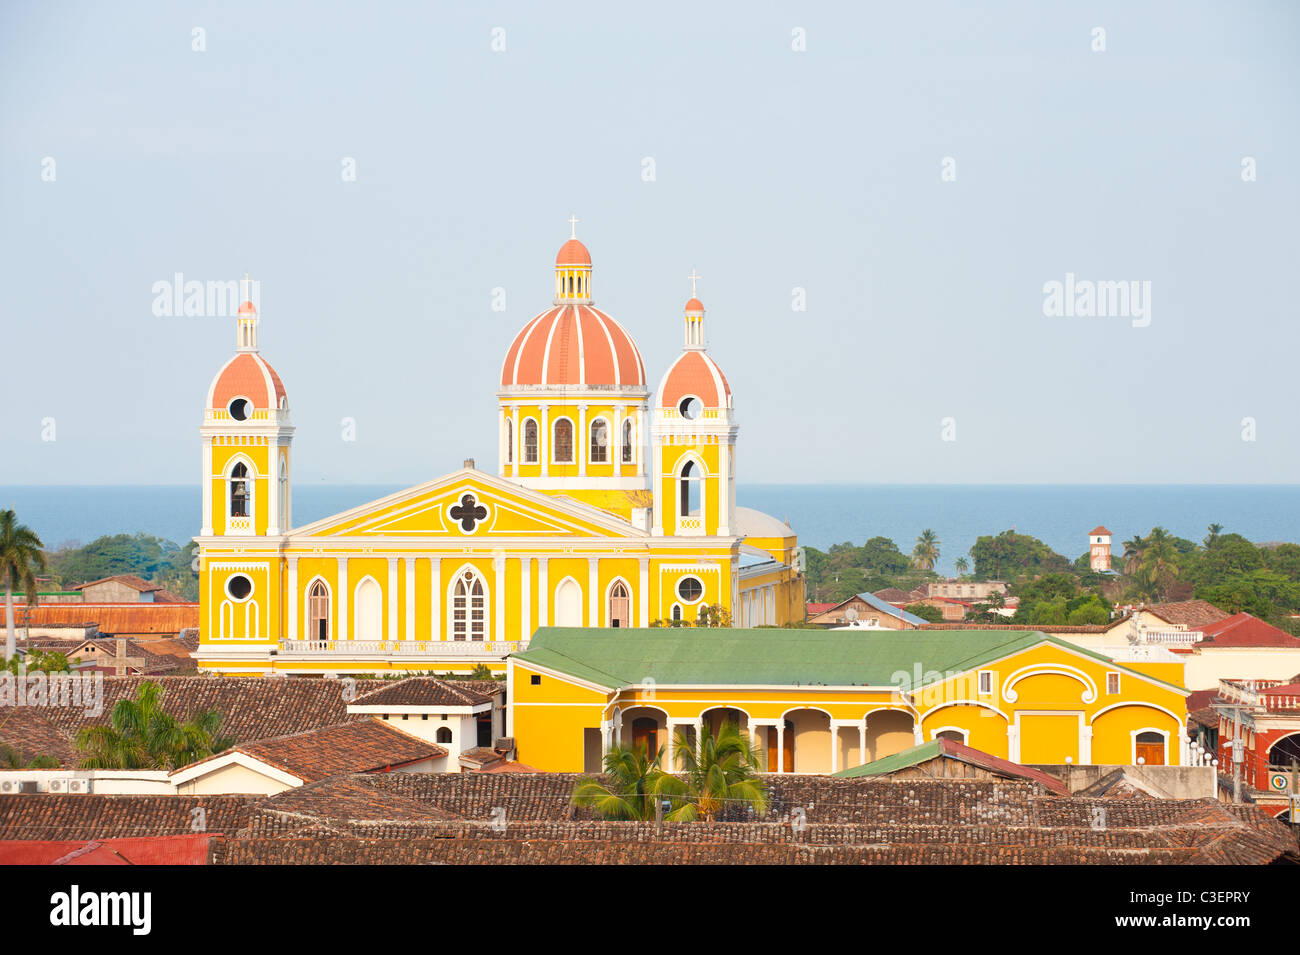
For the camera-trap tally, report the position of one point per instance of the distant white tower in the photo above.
(1099, 548)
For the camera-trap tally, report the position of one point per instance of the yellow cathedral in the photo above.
(612, 506)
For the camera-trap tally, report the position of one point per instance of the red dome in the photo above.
(247, 309)
(695, 374)
(695, 305)
(573, 345)
(573, 252)
(247, 375)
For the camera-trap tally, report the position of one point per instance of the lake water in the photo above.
(1059, 515)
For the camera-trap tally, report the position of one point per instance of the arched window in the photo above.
(239, 490)
(368, 615)
(510, 441)
(677, 612)
(469, 608)
(690, 489)
(563, 441)
(318, 612)
(599, 441)
(443, 735)
(627, 440)
(568, 604)
(954, 736)
(620, 605)
(530, 441)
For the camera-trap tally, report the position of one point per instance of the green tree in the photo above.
(20, 560)
(140, 734)
(926, 551)
(962, 565)
(38, 661)
(1213, 536)
(722, 770)
(926, 612)
(629, 788)
(11, 758)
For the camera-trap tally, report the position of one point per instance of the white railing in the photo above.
(1150, 653)
(405, 648)
(690, 525)
(1174, 638)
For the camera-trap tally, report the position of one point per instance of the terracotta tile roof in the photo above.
(133, 618)
(1244, 630)
(359, 746)
(127, 580)
(29, 732)
(252, 707)
(1099, 529)
(813, 609)
(333, 804)
(147, 850)
(894, 595)
(431, 691)
(153, 663)
(95, 816)
(1194, 614)
(962, 753)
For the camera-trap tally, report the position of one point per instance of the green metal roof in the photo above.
(891, 764)
(615, 658)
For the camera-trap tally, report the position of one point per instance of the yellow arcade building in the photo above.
(825, 701)
(612, 506)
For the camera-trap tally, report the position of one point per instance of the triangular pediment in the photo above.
(469, 504)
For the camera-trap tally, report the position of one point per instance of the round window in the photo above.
(690, 408)
(690, 589)
(239, 587)
(240, 409)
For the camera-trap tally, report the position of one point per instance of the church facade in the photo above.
(612, 505)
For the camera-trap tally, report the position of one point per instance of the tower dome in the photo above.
(573, 343)
(694, 375)
(247, 382)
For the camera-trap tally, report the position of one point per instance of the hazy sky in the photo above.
(774, 169)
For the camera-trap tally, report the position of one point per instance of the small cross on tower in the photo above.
(121, 662)
(573, 226)
(694, 278)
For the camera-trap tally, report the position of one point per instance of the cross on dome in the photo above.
(694, 278)
(573, 226)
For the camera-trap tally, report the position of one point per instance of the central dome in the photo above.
(573, 345)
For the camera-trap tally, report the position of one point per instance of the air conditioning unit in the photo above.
(56, 786)
(78, 785)
(8, 786)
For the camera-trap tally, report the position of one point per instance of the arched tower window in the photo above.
(620, 605)
(239, 490)
(599, 441)
(530, 441)
(564, 441)
(443, 735)
(510, 441)
(627, 440)
(690, 489)
(318, 612)
(469, 608)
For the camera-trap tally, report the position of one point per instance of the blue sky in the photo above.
(775, 169)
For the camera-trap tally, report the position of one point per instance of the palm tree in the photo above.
(140, 734)
(721, 770)
(1212, 538)
(926, 551)
(1159, 562)
(962, 565)
(20, 559)
(629, 793)
(1133, 551)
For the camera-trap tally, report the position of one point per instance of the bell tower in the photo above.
(693, 438)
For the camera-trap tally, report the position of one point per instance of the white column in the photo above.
(206, 523)
(835, 747)
(606, 731)
(499, 569)
(780, 746)
(410, 598)
(616, 439)
(392, 599)
(1085, 744)
(525, 598)
(294, 598)
(501, 441)
(435, 598)
(581, 440)
(341, 587)
(699, 735)
(657, 491)
(1013, 743)
(273, 492)
(862, 742)
(544, 439)
(643, 599)
(638, 454)
(670, 763)
(724, 503)
(543, 594)
(593, 592)
(516, 439)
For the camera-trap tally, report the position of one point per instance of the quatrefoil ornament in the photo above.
(468, 513)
